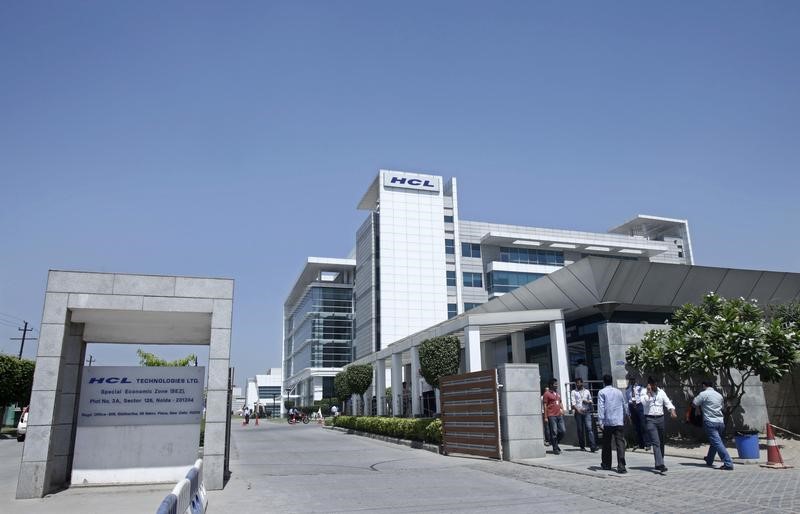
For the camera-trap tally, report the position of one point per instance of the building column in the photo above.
(487, 355)
(380, 386)
(397, 383)
(317, 381)
(472, 349)
(416, 404)
(518, 348)
(558, 349)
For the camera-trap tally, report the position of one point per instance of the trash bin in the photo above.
(747, 444)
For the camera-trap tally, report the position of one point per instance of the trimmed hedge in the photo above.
(416, 429)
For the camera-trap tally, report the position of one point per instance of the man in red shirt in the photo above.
(554, 415)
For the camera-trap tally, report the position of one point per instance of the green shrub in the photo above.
(414, 429)
(433, 432)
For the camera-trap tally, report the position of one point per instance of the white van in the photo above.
(22, 426)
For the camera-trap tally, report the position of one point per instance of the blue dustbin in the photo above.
(747, 444)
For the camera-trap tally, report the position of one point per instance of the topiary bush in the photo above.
(439, 357)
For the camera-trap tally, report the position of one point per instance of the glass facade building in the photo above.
(318, 327)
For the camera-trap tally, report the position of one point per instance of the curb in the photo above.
(386, 439)
(563, 470)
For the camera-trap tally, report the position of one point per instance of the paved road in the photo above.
(305, 468)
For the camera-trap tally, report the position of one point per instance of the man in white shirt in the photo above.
(654, 402)
(711, 404)
(582, 407)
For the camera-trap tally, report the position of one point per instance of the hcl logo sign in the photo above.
(109, 380)
(426, 183)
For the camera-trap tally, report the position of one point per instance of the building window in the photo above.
(451, 278)
(450, 246)
(505, 281)
(471, 250)
(532, 256)
(452, 310)
(448, 219)
(468, 306)
(473, 279)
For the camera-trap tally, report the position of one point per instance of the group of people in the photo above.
(645, 406)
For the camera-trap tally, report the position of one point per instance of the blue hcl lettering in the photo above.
(412, 182)
(109, 380)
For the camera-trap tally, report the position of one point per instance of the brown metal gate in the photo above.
(470, 414)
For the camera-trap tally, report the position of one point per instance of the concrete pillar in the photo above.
(397, 383)
(47, 455)
(521, 427)
(472, 349)
(416, 393)
(558, 349)
(487, 355)
(518, 348)
(317, 389)
(380, 389)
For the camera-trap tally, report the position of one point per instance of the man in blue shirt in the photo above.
(711, 404)
(611, 412)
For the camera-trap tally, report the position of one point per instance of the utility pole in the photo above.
(91, 359)
(22, 339)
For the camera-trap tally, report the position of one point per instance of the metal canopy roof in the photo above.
(642, 285)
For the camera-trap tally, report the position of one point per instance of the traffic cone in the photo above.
(774, 459)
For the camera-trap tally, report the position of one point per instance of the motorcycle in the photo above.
(297, 418)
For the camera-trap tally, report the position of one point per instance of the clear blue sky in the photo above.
(236, 140)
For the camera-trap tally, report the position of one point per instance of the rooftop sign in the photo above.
(409, 181)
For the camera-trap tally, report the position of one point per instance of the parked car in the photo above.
(22, 426)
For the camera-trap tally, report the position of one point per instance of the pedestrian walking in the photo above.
(544, 419)
(633, 397)
(711, 403)
(247, 415)
(655, 403)
(582, 408)
(554, 415)
(611, 412)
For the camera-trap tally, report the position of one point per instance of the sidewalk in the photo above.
(678, 459)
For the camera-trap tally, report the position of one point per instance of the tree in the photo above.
(341, 385)
(728, 338)
(439, 357)
(16, 380)
(151, 359)
(359, 378)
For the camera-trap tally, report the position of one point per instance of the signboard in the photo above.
(408, 181)
(134, 395)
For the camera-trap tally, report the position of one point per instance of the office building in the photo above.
(318, 328)
(417, 264)
(264, 393)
